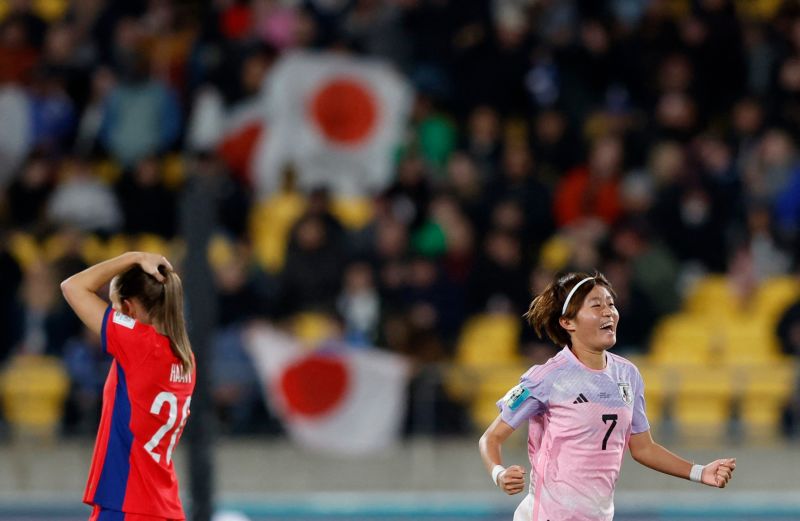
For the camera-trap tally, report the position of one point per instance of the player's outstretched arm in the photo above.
(511, 480)
(80, 290)
(650, 454)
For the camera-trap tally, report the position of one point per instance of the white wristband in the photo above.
(696, 473)
(496, 472)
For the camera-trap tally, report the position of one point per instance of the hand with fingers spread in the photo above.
(151, 262)
(512, 480)
(719, 472)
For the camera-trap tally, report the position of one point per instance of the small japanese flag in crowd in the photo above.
(336, 119)
(336, 399)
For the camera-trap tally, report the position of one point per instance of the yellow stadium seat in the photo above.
(489, 339)
(50, 10)
(93, 250)
(353, 212)
(654, 392)
(152, 244)
(311, 328)
(271, 222)
(749, 342)
(108, 171)
(33, 390)
(117, 245)
(765, 393)
(713, 296)
(682, 339)
(24, 248)
(492, 384)
(703, 402)
(483, 411)
(760, 10)
(220, 251)
(774, 296)
(174, 170)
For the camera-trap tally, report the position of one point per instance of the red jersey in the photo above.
(145, 407)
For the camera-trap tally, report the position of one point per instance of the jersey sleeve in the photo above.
(639, 422)
(122, 337)
(525, 400)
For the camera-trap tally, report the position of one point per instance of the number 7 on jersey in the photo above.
(606, 418)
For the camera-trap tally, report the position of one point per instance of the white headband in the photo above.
(572, 292)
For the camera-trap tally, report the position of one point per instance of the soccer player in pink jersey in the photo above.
(149, 386)
(583, 407)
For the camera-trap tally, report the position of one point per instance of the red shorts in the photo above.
(102, 514)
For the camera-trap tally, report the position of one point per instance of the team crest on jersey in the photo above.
(124, 320)
(516, 396)
(625, 392)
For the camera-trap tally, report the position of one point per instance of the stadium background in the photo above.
(655, 140)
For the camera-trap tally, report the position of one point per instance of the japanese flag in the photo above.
(336, 399)
(336, 119)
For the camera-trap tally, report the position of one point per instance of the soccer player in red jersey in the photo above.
(149, 386)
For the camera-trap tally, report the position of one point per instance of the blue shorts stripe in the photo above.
(113, 481)
(103, 329)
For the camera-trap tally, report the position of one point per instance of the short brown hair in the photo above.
(545, 309)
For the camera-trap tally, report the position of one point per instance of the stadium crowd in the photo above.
(655, 140)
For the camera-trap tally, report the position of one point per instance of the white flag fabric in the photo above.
(336, 119)
(337, 399)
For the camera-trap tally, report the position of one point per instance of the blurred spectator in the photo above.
(15, 133)
(554, 147)
(235, 387)
(87, 366)
(311, 278)
(359, 305)
(83, 201)
(148, 206)
(10, 281)
(518, 182)
(651, 268)
(241, 289)
(482, 140)
(499, 281)
(29, 192)
(591, 191)
(18, 52)
(435, 309)
(774, 177)
(142, 116)
(410, 193)
(88, 136)
(41, 321)
(53, 115)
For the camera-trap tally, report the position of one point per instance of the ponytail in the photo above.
(172, 320)
(164, 303)
(545, 311)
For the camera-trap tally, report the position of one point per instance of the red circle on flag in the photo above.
(345, 110)
(314, 385)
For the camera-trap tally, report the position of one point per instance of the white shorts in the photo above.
(524, 511)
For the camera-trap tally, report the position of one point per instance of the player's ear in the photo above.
(567, 323)
(128, 308)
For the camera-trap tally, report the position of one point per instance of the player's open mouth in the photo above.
(608, 326)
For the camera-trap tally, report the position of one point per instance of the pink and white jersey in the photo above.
(579, 424)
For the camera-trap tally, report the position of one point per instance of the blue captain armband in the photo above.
(516, 396)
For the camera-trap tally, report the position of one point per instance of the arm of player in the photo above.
(511, 480)
(80, 290)
(650, 454)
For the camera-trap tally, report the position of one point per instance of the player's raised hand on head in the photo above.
(512, 480)
(719, 472)
(150, 263)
